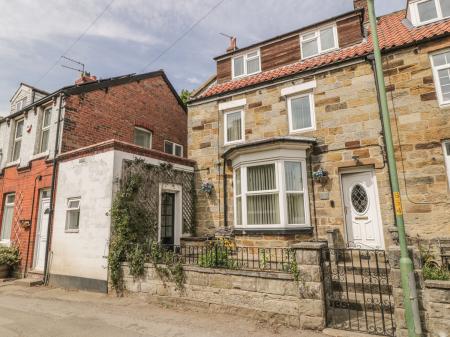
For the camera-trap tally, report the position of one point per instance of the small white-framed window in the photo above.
(446, 151)
(319, 41)
(21, 104)
(246, 64)
(301, 113)
(143, 137)
(271, 194)
(17, 141)
(428, 11)
(45, 130)
(7, 220)
(173, 148)
(441, 73)
(234, 126)
(73, 214)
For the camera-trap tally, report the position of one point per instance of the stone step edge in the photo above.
(344, 333)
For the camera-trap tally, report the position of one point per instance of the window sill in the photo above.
(236, 142)
(71, 231)
(295, 132)
(274, 231)
(40, 155)
(5, 243)
(13, 163)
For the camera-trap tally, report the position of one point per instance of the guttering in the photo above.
(52, 194)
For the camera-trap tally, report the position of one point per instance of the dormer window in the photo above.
(246, 64)
(427, 11)
(318, 42)
(21, 104)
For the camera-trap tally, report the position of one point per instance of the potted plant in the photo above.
(9, 259)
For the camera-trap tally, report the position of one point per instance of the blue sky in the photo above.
(132, 33)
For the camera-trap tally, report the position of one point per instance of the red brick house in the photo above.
(143, 113)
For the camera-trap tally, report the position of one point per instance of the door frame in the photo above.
(178, 218)
(354, 170)
(38, 225)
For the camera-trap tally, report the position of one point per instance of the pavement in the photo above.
(52, 312)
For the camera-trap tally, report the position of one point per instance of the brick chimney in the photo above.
(85, 78)
(233, 45)
(357, 4)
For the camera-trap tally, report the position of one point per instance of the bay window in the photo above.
(319, 41)
(271, 194)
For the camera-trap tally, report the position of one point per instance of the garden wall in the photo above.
(274, 297)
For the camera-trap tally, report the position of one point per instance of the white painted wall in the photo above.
(31, 136)
(82, 254)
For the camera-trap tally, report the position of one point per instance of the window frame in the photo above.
(22, 103)
(280, 189)
(446, 153)
(319, 43)
(415, 16)
(11, 205)
(436, 80)
(225, 127)
(289, 99)
(174, 145)
(17, 139)
(44, 128)
(143, 130)
(246, 58)
(71, 209)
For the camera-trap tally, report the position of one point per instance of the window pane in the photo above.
(73, 218)
(445, 6)
(19, 129)
(234, 126)
(263, 209)
(427, 10)
(8, 213)
(444, 82)
(301, 113)
(441, 59)
(46, 120)
(142, 138)
(296, 209)
(73, 204)
(310, 48)
(178, 150)
(239, 211)
(293, 174)
(238, 182)
(447, 147)
(168, 147)
(238, 66)
(261, 178)
(16, 153)
(327, 38)
(44, 141)
(253, 65)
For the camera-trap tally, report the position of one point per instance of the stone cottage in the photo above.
(290, 135)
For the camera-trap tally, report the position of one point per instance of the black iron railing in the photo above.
(358, 290)
(215, 254)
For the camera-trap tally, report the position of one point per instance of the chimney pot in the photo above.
(85, 77)
(233, 45)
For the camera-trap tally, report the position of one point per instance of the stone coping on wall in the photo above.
(437, 284)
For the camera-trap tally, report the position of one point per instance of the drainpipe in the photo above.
(52, 190)
(410, 301)
(225, 193)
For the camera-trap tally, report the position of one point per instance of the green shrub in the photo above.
(217, 257)
(9, 256)
(431, 269)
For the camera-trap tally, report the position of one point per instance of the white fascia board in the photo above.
(232, 104)
(298, 88)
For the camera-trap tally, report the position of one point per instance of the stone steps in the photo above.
(28, 282)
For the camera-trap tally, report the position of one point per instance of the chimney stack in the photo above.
(357, 4)
(85, 77)
(233, 45)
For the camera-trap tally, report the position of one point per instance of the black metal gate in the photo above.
(358, 293)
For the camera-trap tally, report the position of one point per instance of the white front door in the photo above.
(362, 211)
(41, 231)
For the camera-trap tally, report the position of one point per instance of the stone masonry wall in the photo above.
(347, 125)
(269, 296)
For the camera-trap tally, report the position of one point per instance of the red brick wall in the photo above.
(24, 184)
(102, 115)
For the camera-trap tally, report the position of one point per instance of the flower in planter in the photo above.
(207, 187)
(9, 259)
(320, 175)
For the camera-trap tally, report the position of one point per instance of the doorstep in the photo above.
(344, 333)
(28, 282)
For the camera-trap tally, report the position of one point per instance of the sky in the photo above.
(131, 35)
